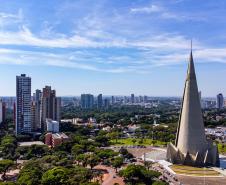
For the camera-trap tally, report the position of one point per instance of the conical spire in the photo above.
(191, 68)
(191, 133)
(192, 147)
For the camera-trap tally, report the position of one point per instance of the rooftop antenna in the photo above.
(191, 44)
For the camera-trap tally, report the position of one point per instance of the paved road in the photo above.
(111, 176)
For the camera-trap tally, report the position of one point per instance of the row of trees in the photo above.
(53, 170)
(124, 113)
(137, 174)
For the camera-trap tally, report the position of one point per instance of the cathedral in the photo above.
(191, 146)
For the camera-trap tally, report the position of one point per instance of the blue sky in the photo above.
(113, 47)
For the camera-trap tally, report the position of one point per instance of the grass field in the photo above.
(221, 148)
(194, 171)
(145, 142)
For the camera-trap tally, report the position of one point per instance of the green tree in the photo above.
(30, 174)
(134, 141)
(92, 160)
(124, 152)
(80, 175)
(153, 142)
(117, 163)
(135, 174)
(77, 149)
(82, 159)
(114, 136)
(8, 183)
(106, 154)
(102, 140)
(4, 166)
(55, 176)
(8, 147)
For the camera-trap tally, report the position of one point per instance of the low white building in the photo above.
(52, 126)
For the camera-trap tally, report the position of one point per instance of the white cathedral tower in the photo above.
(191, 146)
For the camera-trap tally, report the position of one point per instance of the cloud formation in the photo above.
(116, 43)
(147, 9)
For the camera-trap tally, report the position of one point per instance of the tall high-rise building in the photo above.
(50, 106)
(23, 104)
(220, 101)
(191, 146)
(132, 98)
(106, 103)
(87, 101)
(112, 100)
(125, 100)
(33, 121)
(145, 99)
(1, 111)
(37, 100)
(99, 101)
(141, 99)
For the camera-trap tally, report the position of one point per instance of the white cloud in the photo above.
(162, 12)
(146, 9)
(7, 19)
(92, 32)
(68, 60)
(26, 38)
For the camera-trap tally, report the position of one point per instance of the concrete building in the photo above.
(87, 101)
(23, 104)
(112, 100)
(220, 101)
(125, 100)
(38, 100)
(106, 103)
(56, 139)
(132, 100)
(33, 124)
(141, 99)
(145, 99)
(191, 146)
(2, 111)
(99, 101)
(50, 106)
(48, 139)
(52, 126)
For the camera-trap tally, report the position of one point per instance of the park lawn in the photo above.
(129, 141)
(194, 171)
(221, 148)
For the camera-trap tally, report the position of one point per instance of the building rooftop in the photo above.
(31, 143)
(60, 135)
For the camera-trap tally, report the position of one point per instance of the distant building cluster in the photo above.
(218, 133)
(210, 103)
(33, 113)
(88, 101)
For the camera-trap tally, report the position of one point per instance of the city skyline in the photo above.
(113, 48)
